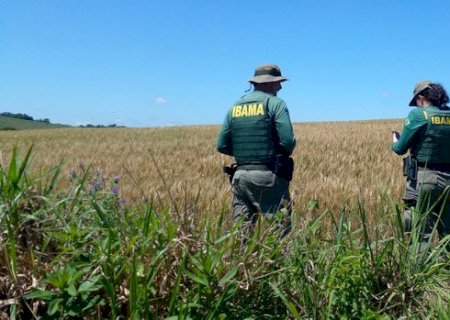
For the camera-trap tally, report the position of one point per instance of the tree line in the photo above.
(23, 116)
(100, 126)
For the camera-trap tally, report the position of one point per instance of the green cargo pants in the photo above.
(427, 190)
(261, 191)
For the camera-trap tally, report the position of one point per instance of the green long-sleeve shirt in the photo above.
(414, 125)
(277, 110)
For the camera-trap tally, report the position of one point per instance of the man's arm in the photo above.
(284, 126)
(416, 120)
(223, 143)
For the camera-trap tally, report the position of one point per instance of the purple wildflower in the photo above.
(116, 179)
(115, 190)
(97, 185)
(122, 203)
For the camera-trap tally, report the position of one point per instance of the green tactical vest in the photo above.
(253, 135)
(434, 145)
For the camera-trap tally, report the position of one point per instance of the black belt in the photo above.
(250, 167)
(434, 166)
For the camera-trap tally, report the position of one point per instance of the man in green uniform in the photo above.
(258, 133)
(426, 134)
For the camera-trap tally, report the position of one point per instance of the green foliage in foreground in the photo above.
(84, 253)
(8, 123)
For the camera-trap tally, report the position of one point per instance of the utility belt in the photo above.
(434, 166)
(261, 167)
(411, 166)
(282, 167)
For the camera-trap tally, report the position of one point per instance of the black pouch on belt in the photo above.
(284, 167)
(410, 167)
(230, 171)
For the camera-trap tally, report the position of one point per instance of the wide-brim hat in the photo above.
(422, 85)
(267, 73)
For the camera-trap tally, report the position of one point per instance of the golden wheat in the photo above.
(336, 163)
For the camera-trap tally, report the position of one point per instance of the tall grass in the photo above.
(82, 252)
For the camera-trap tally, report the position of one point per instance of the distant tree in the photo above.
(100, 126)
(17, 115)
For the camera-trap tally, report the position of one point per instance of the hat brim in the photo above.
(413, 103)
(266, 78)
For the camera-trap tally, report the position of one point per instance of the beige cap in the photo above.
(267, 73)
(422, 85)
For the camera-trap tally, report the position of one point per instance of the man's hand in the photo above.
(395, 136)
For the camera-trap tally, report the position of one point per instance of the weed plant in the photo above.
(84, 252)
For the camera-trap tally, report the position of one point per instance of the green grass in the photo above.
(91, 255)
(7, 123)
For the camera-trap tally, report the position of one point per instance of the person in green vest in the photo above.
(426, 134)
(258, 133)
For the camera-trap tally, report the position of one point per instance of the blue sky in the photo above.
(159, 63)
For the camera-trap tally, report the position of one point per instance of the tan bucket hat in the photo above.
(267, 73)
(422, 85)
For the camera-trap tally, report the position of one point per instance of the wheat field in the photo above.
(336, 163)
(72, 246)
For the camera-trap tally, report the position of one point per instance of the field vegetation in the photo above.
(336, 164)
(136, 223)
(9, 124)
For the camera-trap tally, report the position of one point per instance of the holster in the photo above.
(410, 167)
(284, 167)
(230, 170)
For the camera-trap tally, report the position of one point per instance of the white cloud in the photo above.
(82, 123)
(385, 94)
(160, 101)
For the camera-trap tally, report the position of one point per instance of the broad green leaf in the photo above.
(198, 278)
(90, 285)
(53, 306)
(94, 302)
(228, 276)
(72, 290)
(40, 294)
